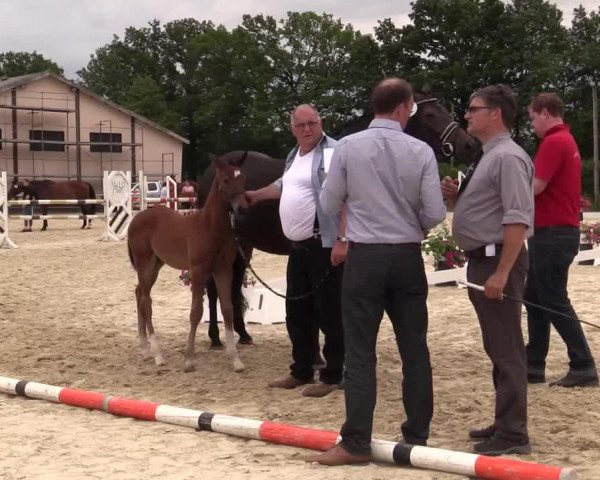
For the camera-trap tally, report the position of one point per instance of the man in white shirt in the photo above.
(314, 270)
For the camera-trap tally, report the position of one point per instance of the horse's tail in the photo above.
(92, 195)
(130, 255)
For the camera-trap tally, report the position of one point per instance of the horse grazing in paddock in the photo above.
(260, 227)
(203, 243)
(51, 190)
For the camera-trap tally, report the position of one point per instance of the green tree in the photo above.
(13, 64)
(146, 97)
(535, 55)
(582, 67)
(314, 59)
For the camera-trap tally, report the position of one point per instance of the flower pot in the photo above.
(585, 246)
(443, 265)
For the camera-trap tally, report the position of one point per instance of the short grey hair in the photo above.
(303, 105)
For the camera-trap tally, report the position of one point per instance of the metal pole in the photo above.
(595, 133)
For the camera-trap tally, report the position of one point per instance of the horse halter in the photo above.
(230, 197)
(447, 146)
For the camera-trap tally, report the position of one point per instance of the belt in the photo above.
(555, 229)
(309, 242)
(481, 251)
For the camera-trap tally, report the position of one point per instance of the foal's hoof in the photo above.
(238, 366)
(189, 367)
(146, 356)
(216, 346)
(246, 340)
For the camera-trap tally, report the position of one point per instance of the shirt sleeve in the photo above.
(548, 159)
(278, 183)
(515, 177)
(335, 187)
(433, 210)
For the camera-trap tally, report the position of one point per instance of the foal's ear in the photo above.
(216, 160)
(240, 161)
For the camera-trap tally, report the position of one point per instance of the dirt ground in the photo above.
(68, 318)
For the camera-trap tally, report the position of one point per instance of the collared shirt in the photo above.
(390, 183)
(328, 224)
(558, 163)
(499, 193)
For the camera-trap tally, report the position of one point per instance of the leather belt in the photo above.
(481, 252)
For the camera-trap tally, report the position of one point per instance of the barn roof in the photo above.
(13, 82)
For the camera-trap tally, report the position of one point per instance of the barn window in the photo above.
(50, 136)
(109, 142)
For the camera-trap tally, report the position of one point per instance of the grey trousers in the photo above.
(500, 323)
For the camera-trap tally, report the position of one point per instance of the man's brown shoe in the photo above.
(319, 390)
(338, 455)
(289, 382)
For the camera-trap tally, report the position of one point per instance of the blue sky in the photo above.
(69, 31)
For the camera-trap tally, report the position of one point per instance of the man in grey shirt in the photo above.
(492, 218)
(389, 182)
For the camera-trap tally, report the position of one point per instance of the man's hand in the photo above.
(450, 189)
(339, 252)
(494, 286)
(252, 197)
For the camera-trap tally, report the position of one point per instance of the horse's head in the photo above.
(231, 179)
(433, 120)
(17, 188)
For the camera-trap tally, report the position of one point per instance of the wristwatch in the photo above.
(341, 238)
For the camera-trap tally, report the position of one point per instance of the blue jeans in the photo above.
(551, 252)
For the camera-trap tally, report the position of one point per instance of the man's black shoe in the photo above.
(483, 433)
(575, 379)
(497, 446)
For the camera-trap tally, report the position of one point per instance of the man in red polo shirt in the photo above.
(552, 248)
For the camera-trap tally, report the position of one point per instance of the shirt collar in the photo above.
(385, 123)
(502, 137)
(556, 129)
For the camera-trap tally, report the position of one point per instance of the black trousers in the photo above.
(308, 264)
(500, 323)
(551, 252)
(390, 278)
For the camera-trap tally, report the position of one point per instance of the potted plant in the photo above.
(590, 237)
(444, 250)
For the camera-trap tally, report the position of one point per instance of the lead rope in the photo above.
(263, 283)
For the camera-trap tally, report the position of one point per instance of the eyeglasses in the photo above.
(473, 109)
(302, 126)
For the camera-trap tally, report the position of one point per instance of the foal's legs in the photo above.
(147, 274)
(199, 279)
(222, 278)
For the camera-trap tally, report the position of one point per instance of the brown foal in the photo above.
(203, 243)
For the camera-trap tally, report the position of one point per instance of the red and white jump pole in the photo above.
(479, 466)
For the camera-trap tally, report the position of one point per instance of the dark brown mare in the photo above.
(260, 227)
(203, 243)
(51, 190)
